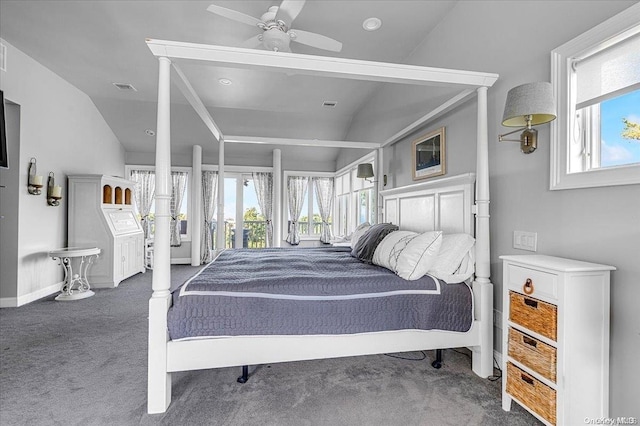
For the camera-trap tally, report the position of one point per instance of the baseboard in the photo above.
(181, 261)
(14, 302)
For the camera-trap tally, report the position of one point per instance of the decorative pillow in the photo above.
(388, 251)
(452, 251)
(367, 244)
(408, 254)
(419, 255)
(359, 232)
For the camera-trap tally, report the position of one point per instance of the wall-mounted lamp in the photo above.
(34, 182)
(54, 192)
(528, 105)
(365, 171)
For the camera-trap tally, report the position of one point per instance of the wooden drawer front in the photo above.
(539, 397)
(533, 283)
(533, 314)
(533, 353)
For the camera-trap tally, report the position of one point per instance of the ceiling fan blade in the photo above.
(233, 14)
(253, 42)
(315, 40)
(289, 10)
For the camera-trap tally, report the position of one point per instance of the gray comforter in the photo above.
(311, 291)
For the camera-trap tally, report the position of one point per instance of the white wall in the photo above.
(514, 39)
(63, 130)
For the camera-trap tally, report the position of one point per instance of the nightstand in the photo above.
(555, 338)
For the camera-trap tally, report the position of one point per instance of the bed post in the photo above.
(196, 207)
(482, 286)
(159, 380)
(276, 217)
(220, 226)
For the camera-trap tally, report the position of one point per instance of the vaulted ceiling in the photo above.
(93, 44)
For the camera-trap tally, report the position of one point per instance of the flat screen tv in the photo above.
(4, 158)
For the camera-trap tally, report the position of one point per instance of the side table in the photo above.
(76, 286)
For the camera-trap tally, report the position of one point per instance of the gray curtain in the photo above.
(178, 185)
(324, 195)
(144, 192)
(209, 197)
(263, 182)
(296, 191)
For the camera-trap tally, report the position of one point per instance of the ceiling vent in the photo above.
(125, 87)
(329, 104)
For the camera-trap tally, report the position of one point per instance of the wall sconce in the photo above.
(528, 105)
(54, 192)
(365, 171)
(34, 182)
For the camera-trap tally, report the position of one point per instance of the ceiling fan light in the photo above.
(276, 40)
(371, 24)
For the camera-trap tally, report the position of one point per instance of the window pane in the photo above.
(620, 130)
(184, 208)
(254, 222)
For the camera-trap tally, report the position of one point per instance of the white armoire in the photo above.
(101, 214)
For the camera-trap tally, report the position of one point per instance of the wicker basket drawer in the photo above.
(533, 353)
(534, 314)
(537, 396)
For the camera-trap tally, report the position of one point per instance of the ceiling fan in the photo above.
(276, 28)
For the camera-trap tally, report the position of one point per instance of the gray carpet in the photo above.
(85, 363)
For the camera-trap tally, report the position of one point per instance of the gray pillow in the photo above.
(366, 245)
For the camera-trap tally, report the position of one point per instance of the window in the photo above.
(596, 77)
(355, 198)
(310, 221)
(183, 215)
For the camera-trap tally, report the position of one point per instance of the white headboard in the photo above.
(444, 204)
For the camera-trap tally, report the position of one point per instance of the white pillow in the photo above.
(408, 254)
(389, 249)
(359, 232)
(464, 272)
(452, 251)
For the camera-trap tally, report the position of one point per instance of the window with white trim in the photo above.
(183, 216)
(310, 222)
(596, 79)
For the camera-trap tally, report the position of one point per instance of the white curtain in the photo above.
(178, 185)
(263, 182)
(144, 192)
(296, 191)
(209, 197)
(324, 195)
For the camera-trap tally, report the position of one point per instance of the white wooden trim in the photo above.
(237, 169)
(220, 206)
(14, 302)
(437, 112)
(276, 219)
(367, 158)
(194, 100)
(195, 217)
(251, 350)
(301, 142)
(322, 66)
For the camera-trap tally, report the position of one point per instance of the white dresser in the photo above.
(555, 339)
(101, 214)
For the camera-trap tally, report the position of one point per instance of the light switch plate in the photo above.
(524, 240)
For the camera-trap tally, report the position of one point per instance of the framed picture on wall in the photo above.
(429, 155)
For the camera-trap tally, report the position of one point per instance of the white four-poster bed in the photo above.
(446, 204)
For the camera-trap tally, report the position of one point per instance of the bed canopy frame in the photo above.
(166, 356)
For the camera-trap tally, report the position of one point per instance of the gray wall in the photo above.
(9, 194)
(602, 225)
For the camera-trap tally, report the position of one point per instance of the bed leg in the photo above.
(245, 374)
(438, 361)
(482, 355)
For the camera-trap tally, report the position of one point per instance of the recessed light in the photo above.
(225, 81)
(371, 24)
(150, 132)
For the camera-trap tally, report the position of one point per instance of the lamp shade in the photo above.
(365, 170)
(534, 99)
